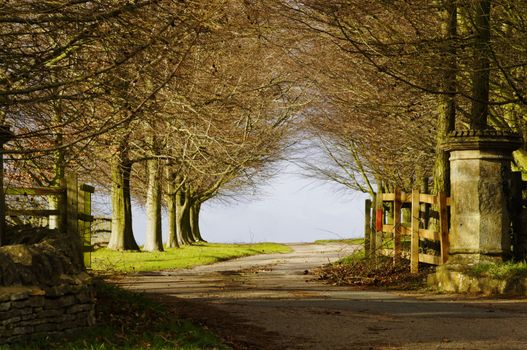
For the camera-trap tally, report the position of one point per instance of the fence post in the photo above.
(397, 226)
(367, 226)
(72, 206)
(379, 220)
(62, 222)
(85, 192)
(414, 238)
(443, 226)
(425, 208)
(81, 210)
(5, 136)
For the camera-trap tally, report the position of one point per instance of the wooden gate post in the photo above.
(72, 206)
(376, 242)
(443, 227)
(397, 226)
(425, 208)
(414, 238)
(85, 219)
(367, 227)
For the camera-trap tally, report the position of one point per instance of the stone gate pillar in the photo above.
(480, 175)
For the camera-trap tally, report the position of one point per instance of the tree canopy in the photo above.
(172, 103)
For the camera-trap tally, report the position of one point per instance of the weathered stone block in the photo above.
(53, 313)
(79, 308)
(11, 321)
(91, 318)
(30, 302)
(14, 314)
(86, 295)
(5, 306)
(55, 291)
(455, 279)
(46, 327)
(59, 303)
(20, 296)
(22, 330)
(29, 316)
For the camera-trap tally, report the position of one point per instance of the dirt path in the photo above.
(271, 302)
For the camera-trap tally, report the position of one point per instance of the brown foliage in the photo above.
(377, 272)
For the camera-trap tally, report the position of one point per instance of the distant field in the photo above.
(105, 260)
(352, 241)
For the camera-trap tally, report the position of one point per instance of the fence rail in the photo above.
(397, 220)
(73, 215)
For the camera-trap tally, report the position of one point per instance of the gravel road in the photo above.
(273, 302)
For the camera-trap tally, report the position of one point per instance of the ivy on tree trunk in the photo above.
(447, 109)
(481, 66)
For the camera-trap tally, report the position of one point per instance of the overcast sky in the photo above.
(291, 209)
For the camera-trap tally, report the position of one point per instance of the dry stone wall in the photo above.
(43, 290)
(33, 311)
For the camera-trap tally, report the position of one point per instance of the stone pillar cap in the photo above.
(489, 139)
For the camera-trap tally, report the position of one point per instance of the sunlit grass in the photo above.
(353, 258)
(352, 241)
(178, 258)
(505, 270)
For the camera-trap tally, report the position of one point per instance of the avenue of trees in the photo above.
(172, 103)
(395, 77)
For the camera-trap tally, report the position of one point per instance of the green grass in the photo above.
(351, 241)
(355, 257)
(505, 270)
(177, 258)
(127, 320)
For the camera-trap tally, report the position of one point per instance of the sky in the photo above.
(289, 208)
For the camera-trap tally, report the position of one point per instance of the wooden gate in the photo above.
(403, 226)
(73, 215)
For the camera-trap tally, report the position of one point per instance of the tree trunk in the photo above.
(447, 109)
(172, 241)
(194, 222)
(122, 236)
(59, 169)
(183, 217)
(481, 65)
(154, 238)
(54, 202)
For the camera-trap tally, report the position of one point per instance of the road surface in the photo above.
(273, 302)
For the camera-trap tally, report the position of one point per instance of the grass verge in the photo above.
(506, 270)
(127, 320)
(108, 261)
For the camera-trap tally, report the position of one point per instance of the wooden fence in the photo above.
(404, 217)
(73, 216)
